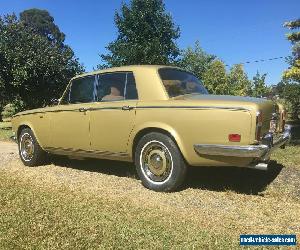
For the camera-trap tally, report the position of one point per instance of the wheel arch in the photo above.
(23, 126)
(160, 129)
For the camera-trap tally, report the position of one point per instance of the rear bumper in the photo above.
(261, 152)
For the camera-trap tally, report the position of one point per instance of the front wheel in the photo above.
(30, 151)
(159, 162)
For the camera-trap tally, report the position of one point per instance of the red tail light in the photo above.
(234, 137)
(259, 119)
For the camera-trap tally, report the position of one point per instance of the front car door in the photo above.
(70, 121)
(112, 116)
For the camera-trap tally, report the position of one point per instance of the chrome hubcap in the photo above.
(26, 147)
(156, 161)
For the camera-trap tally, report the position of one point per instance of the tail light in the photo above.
(259, 119)
(234, 137)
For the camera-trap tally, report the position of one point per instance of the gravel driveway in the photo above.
(8, 151)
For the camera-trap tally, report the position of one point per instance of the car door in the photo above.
(112, 115)
(70, 122)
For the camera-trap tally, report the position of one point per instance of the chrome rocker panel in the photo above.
(261, 152)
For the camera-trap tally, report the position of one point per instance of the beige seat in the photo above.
(115, 95)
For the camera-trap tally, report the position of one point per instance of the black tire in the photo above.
(159, 163)
(30, 151)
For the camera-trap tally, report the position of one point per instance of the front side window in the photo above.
(82, 90)
(178, 82)
(116, 86)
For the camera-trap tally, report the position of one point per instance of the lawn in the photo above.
(55, 217)
(5, 131)
(100, 204)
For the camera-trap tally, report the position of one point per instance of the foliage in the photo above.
(290, 91)
(8, 111)
(215, 78)
(238, 82)
(146, 35)
(43, 23)
(195, 60)
(218, 81)
(32, 68)
(293, 73)
(12, 108)
(290, 86)
(259, 87)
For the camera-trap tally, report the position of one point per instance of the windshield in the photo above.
(178, 82)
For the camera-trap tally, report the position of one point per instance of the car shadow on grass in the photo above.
(117, 168)
(240, 180)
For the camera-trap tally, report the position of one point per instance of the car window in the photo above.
(82, 90)
(116, 86)
(178, 82)
(131, 91)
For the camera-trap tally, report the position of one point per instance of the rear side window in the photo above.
(82, 90)
(178, 82)
(116, 86)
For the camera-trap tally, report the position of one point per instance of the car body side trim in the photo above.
(195, 107)
(141, 107)
(88, 153)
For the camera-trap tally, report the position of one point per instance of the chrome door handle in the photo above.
(83, 109)
(127, 108)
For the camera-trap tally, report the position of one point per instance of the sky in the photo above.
(236, 31)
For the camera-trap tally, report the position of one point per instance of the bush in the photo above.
(12, 108)
(8, 111)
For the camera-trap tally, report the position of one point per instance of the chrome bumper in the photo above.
(261, 151)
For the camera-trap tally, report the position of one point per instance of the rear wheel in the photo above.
(30, 151)
(159, 162)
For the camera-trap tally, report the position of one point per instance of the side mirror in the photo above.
(55, 101)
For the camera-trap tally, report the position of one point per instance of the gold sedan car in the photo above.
(161, 118)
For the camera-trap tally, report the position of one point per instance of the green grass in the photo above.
(57, 218)
(5, 125)
(290, 156)
(73, 206)
(5, 131)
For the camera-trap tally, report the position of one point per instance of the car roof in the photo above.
(124, 68)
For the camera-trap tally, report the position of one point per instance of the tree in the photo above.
(290, 92)
(42, 23)
(195, 60)
(293, 73)
(32, 69)
(291, 77)
(215, 78)
(147, 35)
(238, 82)
(259, 87)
